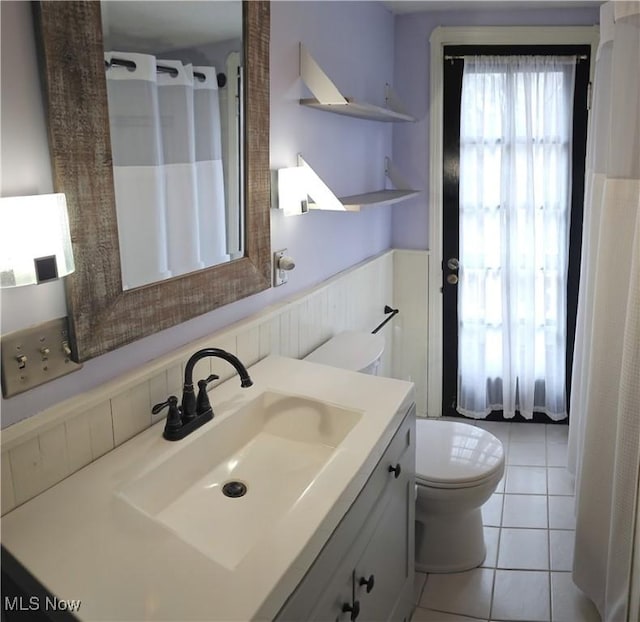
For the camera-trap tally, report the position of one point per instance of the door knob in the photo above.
(453, 263)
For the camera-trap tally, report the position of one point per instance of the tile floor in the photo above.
(529, 530)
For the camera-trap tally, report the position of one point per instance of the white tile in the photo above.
(527, 454)
(568, 603)
(524, 549)
(561, 544)
(158, 392)
(501, 483)
(54, 456)
(248, 343)
(466, 593)
(526, 480)
(429, 615)
(562, 513)
(26, 467)
(521, 595)
(101, 429)
(561, 482)
(491, 536)
(131, 413)
(500, 429)
(556, 455)
(492, 511)
(78, 442)
(557, 433)
(527, 432)
(175, 380)
(525, 511)
(419, 580)
(8, 501)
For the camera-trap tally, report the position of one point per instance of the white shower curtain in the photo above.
(136, 148)
(212, 214)
(604, 432)
(515, 190)
(167, 160)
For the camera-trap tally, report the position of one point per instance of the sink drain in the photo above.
(234, 489)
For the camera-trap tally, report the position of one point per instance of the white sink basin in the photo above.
(276, 445)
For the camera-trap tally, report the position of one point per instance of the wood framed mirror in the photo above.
(102, 316)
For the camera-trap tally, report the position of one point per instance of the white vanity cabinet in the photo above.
(365, 570)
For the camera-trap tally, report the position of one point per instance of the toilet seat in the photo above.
(456, 455)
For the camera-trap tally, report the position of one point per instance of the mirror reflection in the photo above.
(174, 85)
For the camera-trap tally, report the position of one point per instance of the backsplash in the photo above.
(44, 449)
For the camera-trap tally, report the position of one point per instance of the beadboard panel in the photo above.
(410, 331)
(42, 450)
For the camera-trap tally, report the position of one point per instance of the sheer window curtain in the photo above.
(515, 176)
(604, 434)
(167, 157)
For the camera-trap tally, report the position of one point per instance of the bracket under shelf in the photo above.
(326, 96)
(354, 203)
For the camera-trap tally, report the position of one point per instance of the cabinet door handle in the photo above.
(396, 470)
(353, 609)
(370, 582)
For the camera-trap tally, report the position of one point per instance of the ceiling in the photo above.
(413, 6)
(157, 26)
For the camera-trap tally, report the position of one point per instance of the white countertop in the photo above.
(83, 542)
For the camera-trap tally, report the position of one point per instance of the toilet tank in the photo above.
(351, 349)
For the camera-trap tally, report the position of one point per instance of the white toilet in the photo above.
(458, 467)
(351, 349)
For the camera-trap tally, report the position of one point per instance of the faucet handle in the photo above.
(158, 407)
(202, 403)
(174, 418)
(204, 382)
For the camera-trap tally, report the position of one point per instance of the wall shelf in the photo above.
(326, 96)
(351, 108)
(378, 198)
(354, 203)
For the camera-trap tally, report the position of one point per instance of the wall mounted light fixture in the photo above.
(35, 244)
(299, 188)
(292, 194)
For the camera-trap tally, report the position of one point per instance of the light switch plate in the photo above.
(33, 356)
(280, 277)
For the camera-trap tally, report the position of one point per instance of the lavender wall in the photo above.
(354, 43)
(410, 227)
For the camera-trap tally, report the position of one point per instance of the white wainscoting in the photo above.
(44, 449)
(411, 326)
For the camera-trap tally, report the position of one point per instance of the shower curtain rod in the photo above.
(122, 62)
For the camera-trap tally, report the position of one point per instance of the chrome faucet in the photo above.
(193, 412)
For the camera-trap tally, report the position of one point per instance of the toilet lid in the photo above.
(451, 454)
(351, 349)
